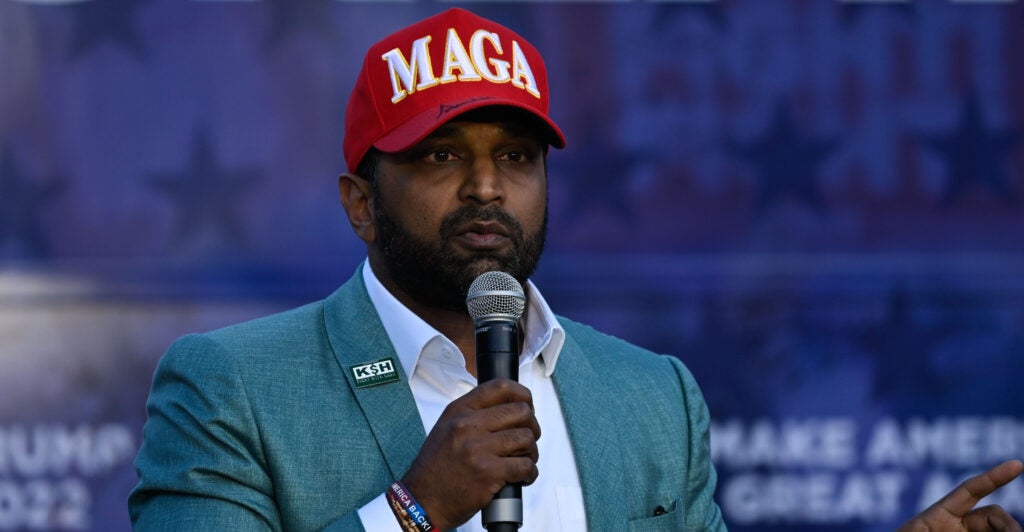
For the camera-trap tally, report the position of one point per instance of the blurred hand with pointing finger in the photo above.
(956, 511)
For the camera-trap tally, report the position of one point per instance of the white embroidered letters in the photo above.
(484, 59)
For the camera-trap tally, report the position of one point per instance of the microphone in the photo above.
(496, 302)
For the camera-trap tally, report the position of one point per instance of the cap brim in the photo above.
(420, 126)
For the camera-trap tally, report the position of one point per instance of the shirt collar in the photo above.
(410, 335)
(543, 333)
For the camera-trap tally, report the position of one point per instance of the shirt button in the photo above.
(446, 352)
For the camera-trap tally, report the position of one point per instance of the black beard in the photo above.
(433, 274)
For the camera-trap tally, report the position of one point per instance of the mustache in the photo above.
(471, 213)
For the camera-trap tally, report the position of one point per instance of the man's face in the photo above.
(470, 198)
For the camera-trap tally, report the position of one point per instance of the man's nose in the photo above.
(483, 183)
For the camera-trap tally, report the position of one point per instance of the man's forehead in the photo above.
(457, 128)
(512, 122)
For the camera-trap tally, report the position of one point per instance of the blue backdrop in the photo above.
(816, 204)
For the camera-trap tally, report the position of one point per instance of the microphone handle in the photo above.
(497, 357)
(497, 351)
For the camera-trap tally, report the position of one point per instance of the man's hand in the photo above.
(956, 510)
(482, 441)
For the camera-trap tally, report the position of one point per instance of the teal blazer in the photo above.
(260, 426)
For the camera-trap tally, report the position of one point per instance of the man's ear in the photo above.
(357, 198)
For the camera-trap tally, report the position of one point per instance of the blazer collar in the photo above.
(592, 417)
(357, 337)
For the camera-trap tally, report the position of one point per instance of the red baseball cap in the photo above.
(428, 73)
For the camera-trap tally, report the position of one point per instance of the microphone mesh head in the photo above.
(495, 296)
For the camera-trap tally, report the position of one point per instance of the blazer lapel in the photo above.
(357, 337)
(593, 418)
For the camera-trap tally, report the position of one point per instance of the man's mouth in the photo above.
(483, 235)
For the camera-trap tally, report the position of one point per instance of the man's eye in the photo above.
(515, 156)
(441, 156)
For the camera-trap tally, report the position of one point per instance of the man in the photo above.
(362, 411)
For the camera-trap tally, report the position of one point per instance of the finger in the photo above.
(510, 416)
(517, 442)
(1005, 472)
(961, 500)
(496, 392)
(991, 518)
(520, 470)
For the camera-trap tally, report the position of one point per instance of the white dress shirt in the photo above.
(437, 376)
